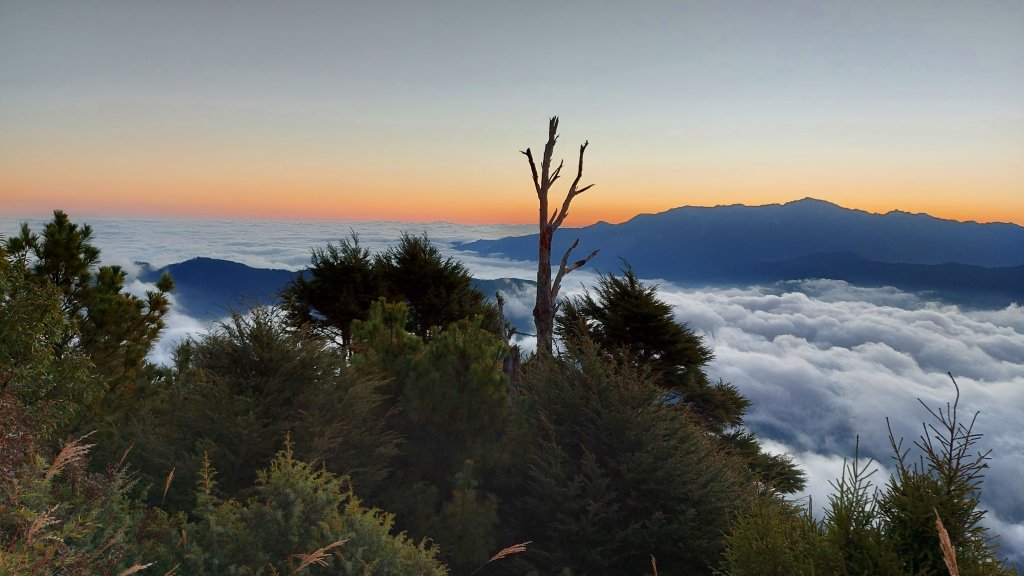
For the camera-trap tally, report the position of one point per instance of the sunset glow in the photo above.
(344, 112)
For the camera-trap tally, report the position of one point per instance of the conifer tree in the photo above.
(450, 408)
(926, 518)
(342, 282)
(345, 280)
(614, 476)
(299, 519)
(437, 290)
(628, 321)
(240, 390)
(32, 372)
(114, 329)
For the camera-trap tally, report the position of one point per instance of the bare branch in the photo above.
(549, 150)
(563, 269)
(574, 190)
(533, 168)
(557, 284)
(557, 172)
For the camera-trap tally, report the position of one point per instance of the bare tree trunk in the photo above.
(547, 289)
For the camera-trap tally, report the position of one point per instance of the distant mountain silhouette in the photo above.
(963, 261)
(210, 288)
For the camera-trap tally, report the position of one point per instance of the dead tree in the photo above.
(547, 289)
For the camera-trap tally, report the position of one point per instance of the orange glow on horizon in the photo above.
(510, 209)
(282, 192)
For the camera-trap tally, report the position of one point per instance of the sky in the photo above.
(417, 111)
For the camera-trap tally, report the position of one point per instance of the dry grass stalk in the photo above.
(318, 557)
(124, 455)
(948, 553)
(171, 572)
(71, 452)
(654, 564)
(505, 552)
(167, 485)
(135, 568)
(117, 538)
(41, 522)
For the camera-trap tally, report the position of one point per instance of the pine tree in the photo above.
(342, 282)
(113, 329)
(613, 475)
(345, 280)
(450, 407)
(239, 391)
(54, 386)
(437, 290)
(625, 318)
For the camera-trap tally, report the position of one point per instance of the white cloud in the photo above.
(824, 363)
(821, 371)
(282, 245)
(177, 326)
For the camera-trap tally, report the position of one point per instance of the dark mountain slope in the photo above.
(965, 262)
(719, 244)
(211, 288)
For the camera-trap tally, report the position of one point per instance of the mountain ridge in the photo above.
(773, 232)
(741, 245)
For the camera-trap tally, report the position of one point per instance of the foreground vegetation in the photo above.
(383, 431)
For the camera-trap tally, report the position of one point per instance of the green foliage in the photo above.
(887, 533)
(57, 518)
(614, 475)
(342, 283)
(776, 538)
(295, 511)
(438, 291)
(467, 523)
(852, 527)
(626, 314)
(625, 318)
(945, 481)
(32, 324)
(240, 390)
(113, 329)
(451, 404)
(344, 280)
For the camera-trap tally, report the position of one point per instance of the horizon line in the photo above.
(142, 215)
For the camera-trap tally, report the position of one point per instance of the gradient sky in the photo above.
(417, 110)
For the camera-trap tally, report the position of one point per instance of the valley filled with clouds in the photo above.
(823, 362)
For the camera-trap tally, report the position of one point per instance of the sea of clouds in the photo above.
(824, 363)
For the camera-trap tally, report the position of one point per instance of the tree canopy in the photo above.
(345, 279)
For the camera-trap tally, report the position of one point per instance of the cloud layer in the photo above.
(825, 363)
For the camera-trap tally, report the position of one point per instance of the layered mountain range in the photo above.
(962, 262)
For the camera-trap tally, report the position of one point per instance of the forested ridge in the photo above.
(376, 422)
